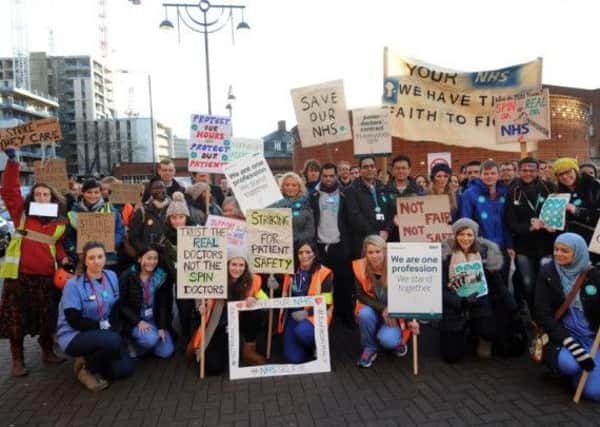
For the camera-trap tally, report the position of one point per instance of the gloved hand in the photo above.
(581, 356)
(272, 283)
(11, 153)
(468, 302)
(299, 315)
(457, 281)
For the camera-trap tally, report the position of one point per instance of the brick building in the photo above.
(575, 124)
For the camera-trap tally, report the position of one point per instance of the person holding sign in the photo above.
(376, 327)
(471, 273)
(583, 210)
(146, 298)
(196, 198)
(92, 201)
(29, 301)
(571, 335)
(148, 223)
(88, 322)
(242, 286)
(297, 325)
(440, 184)
(295, 197)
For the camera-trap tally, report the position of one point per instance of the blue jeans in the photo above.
(374, 332)
(298, 340)
(150, 341)
(104, 353)
(567, 365)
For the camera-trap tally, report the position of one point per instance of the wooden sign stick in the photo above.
(415, 342)
(585, 374)
(203, 331)
(270, 327)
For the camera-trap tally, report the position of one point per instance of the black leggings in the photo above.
(454, 344)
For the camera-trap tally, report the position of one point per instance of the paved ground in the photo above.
(491, 393)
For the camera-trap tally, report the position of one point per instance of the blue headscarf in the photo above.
(581, 260)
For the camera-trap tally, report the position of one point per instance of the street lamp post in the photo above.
(204, 26)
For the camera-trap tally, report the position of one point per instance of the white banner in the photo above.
(252, 182)
(322, 363)
(371, 131)
(414, 272)
(430, 103)
(321, 113)
(236, 229)
(209, 143)
(523, 117)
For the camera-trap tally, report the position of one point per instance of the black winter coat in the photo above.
(586, 197)
(412, 189)
(147, 226)
(132, 296)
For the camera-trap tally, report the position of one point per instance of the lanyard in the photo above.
(374, 195)
(99, 304)
(146, 289)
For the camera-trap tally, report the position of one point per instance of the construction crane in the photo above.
(103, 30)
(21, 70)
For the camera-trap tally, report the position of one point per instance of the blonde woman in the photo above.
(440, 184)
(375, 324)
(295, 197)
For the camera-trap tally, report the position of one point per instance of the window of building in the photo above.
(277, 146)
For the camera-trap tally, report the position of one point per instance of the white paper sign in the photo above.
(553, 213)
(43, 209)
(236, 229)
(209, 143)
(414, 272)
(322, 363)
(435, 158)
(321, 113)
(252, 182)
(523, 117)
(371, 128)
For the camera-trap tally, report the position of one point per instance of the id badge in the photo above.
(379, 217)
(148, 313)
(104, 324)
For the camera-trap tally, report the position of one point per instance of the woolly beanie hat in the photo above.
(463, 223)
(178, 205)
(564, 164)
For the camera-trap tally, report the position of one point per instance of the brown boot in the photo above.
(18, 358)
(51, 358)
(78, 365)
(90, 381)
(484, 349)
(250, 356)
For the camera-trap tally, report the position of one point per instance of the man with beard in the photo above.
(329, 208)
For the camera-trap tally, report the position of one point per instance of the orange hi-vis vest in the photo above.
(256, 291)
(315, 288)
(359, 268)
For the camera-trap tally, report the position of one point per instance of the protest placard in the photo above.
(270, 240)
(553, 213)
(431, 103)
(121, 193)
(96, 226)
(436, 158)
(321, 113)
(236, 229)
(252, 182)
(471, 277)
(424, 218)
(36, 132)
(371, 131)
(52, 172)
(523, 117)
(322, 361)
(209, 143)
(201, 263)
(241, 147)
(414, 273)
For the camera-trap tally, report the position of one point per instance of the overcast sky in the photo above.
(295, 43)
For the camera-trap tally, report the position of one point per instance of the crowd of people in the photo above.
(121, 305)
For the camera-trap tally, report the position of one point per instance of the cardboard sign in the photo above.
(371, 129)
(523, 117)
(242, 147)
(252, 182)
(432, 103)
(321, 113)
(553, 213)
(436, 158)
(424, 219)
(43, 209)
(595, 241)
(52, 172)
(472, 279)
(236, 230)
(96, 226)
(414, 272)
(322, 362)
(126, 193)
(201, 263)
(270, 240)
(209, 143)
(36, 132)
